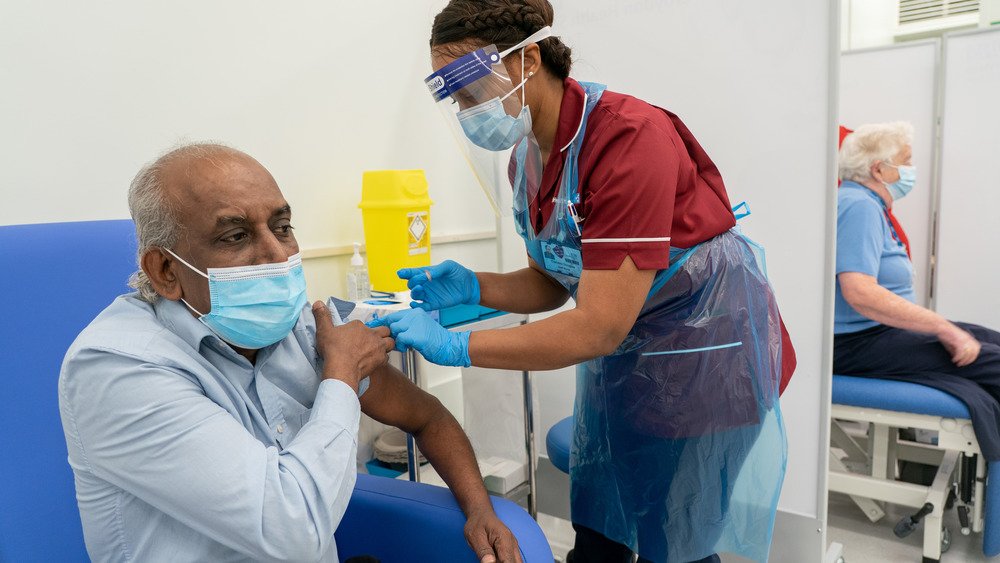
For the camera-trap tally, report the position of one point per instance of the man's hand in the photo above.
(352, 351)
(490, 539)
(962, 346)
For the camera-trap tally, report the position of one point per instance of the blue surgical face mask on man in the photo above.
(253, 306)
(907, 179)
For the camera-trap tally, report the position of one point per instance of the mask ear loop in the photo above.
(182, 261)
(543, 33)
(197, 271)
(522, 85)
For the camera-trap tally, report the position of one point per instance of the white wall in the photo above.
(870, 23)
(317, 91)
(968, 270)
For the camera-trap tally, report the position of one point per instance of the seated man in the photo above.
(879, 331)
(212, 416)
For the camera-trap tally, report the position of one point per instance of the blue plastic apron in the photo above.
(679, 447)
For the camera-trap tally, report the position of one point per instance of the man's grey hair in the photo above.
(156, 223)
(870, 143)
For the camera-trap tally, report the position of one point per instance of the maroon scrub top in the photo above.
(645, 183)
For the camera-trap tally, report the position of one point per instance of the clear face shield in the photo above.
(478, 100)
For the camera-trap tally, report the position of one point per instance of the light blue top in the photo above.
(184, 451)
(866, 243)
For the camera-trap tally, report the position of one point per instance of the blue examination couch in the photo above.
(867, 468)
(54, 279)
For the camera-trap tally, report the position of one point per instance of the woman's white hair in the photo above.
(871, 143)
(156, 224)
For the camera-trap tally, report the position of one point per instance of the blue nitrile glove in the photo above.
(416, 329)
(447, 284)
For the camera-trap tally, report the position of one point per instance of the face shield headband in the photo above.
(475, 95)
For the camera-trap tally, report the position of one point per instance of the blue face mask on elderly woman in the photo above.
(907, 179)
(253, 306)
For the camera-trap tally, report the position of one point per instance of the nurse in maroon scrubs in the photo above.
(679, 447)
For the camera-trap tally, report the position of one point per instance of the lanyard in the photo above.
(888, 220)
(885, 210)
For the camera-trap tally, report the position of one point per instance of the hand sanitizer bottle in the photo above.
(358, 286)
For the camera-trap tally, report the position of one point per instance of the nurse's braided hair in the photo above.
(503, 23)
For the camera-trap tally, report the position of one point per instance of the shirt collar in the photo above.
(179, 320)
(570, 115)
(871, 193)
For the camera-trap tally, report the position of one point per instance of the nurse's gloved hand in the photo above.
(416, 329)
(447, 284)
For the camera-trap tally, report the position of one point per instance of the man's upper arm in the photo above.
(151, 431)
(392, 399)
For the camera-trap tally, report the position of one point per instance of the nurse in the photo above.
(679, 448)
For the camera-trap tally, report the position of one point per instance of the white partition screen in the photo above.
(755, 83)
(968, 269)
(867, 96)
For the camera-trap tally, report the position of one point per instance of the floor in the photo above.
(865, 542)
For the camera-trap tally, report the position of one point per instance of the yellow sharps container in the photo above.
(396, 210)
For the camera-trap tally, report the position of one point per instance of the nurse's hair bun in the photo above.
(503, 23)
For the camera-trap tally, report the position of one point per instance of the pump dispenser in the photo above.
(358, 286)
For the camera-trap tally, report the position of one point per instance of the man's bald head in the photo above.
(171, 193)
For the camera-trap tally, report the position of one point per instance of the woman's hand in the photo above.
(441, 286)
(962, 346)
(414, 328)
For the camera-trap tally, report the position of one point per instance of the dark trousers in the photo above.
(891, 353)
(593, 547)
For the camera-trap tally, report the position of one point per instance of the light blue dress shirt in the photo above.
(867, 244)
(182, 450)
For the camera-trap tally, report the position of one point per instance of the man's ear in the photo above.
(159, 268)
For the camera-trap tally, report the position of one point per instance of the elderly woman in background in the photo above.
(879, 331)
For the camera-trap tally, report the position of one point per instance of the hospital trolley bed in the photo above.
(866, 417)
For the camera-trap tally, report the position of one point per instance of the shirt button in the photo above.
(281, 428)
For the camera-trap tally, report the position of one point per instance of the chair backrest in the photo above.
(54, 279)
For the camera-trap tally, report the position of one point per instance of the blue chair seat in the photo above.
(898, 396)
(558, 442)
(397, 520)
